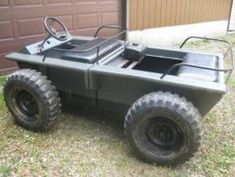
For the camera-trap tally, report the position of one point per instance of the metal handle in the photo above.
(229, 50)
(97, 47)
(193, 66)
(94, 47)
(111, 27)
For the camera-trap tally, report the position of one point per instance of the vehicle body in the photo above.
(117, 78)
(109, 82)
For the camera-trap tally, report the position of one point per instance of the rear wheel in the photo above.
(32, 99)
(164, 128)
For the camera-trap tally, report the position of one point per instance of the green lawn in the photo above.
(2, 80)
(87, 143)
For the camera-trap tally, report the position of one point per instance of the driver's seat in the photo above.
(91, 56)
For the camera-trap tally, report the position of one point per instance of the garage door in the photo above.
(21, 20)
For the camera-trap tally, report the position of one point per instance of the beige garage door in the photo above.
(21, 20)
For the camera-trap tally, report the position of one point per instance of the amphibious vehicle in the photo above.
(164, 92)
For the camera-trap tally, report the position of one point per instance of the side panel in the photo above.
(121, 86)
(65, 80)
(127, 88)
(70, 81)
(68, 76)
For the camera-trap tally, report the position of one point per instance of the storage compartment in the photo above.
(157, 61)
(157, 65)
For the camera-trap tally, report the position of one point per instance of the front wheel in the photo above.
(32, 99)
(164, 128)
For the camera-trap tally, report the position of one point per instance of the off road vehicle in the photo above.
(164, 92)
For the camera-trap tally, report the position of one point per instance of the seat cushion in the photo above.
(91, 56)
(198, 73)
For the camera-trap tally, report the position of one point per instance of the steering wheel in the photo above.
(56, 28)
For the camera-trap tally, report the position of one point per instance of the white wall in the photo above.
(232, 18)
(170, 36)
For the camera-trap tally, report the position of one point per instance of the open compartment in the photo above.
(156, 64)
(157, 61)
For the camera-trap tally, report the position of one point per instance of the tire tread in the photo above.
(44, 88)
(167, 100)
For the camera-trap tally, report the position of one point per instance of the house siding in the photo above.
(144, 14)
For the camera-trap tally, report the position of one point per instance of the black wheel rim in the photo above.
(162, 136)
(25, 103)
(162, 133)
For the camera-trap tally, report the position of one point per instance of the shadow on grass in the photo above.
(90, 122)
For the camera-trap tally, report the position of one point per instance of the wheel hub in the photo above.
(162, 133)
(26, 103)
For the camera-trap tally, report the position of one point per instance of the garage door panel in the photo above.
(33, 11)
(110, 18)
(85, 31)
(58, 1)
(11, 47)
(67, 20)
(88, 20)
(27, 2)
(85, 1)
(109, 6)
(28, 27)
(22, 23)
(88, 7)
(5, 63)
(18, 43)
(6, 30)
(26, 12)
(4, 3)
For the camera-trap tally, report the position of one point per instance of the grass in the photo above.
(87, 143)
(2, 80)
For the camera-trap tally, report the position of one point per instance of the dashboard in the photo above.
(51, 42)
